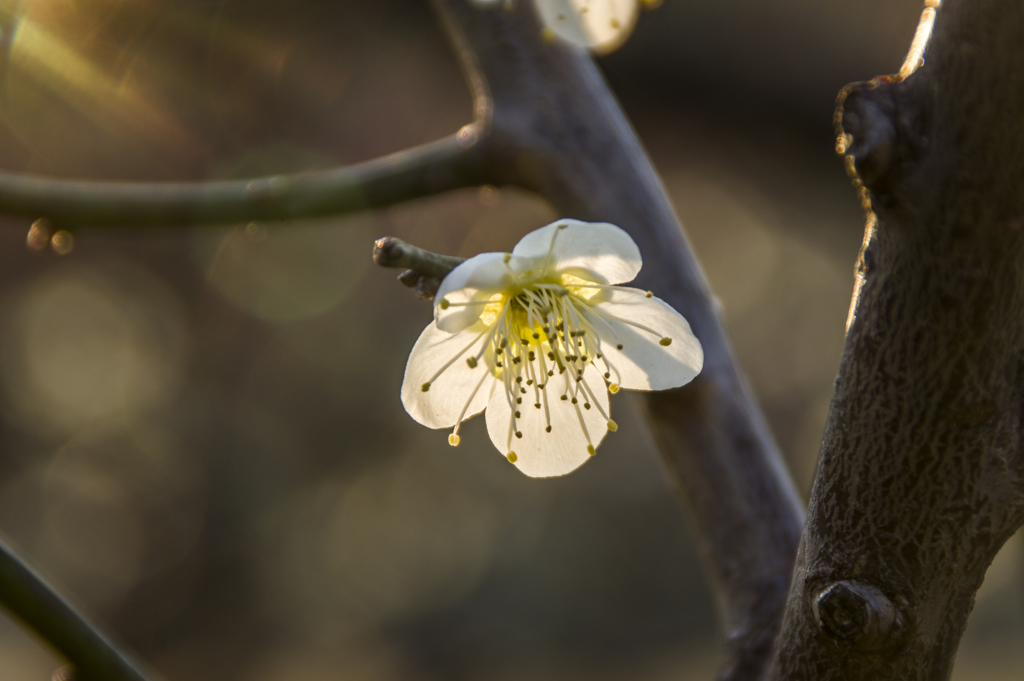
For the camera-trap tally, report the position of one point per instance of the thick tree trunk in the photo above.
(919, 480)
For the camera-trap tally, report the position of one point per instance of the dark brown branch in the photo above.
(557, 130)
(451, 163)
(921, 475)
(30, 599)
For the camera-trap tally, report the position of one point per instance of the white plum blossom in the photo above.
(598, 25)
(539, 337)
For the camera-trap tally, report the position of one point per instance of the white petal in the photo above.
(600, 25)
(474, 281)
(439, 407)
(644, 363)
(540, 454)
(596, 247)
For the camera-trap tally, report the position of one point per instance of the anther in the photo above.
(498, 364)
(562, 226)
(613, 388)
(522, 390)
(519, 379)
(612, 426)
(519, 434)
(425, 387)
(505, 258)
(512, 457)
(471, 361)
(551, 372)
(453, 440)
(551, 356)
(619, 346)
(537, 404)
(532, 356)
(548, 429)
(586, 405)
(536, 335)
(529, 382)
(666, 341)
(518, 415)
(565, 397)
(574, 400)
(607, 374)
(444, 304)
(649, 294)
(591, 450)
(519, 400)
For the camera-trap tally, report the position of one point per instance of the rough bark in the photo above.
(919, 479)
(552, 126)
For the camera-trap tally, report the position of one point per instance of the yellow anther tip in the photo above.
(506, 257)
(649, 294)
(454, 440)
(425, 387)
(591, 450)
(666, 341)
(612, 426)
(444, 303)
(613, 388)
(471, 362)
(512, 458)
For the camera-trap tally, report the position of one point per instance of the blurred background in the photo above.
(201, 439)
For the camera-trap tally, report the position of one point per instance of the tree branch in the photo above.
(28, 597)
(921, 474)
(557, 130)
(424, 269)
(447, 164)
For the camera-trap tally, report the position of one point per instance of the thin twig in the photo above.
(424, 269)
(32, 601)
(440, 166)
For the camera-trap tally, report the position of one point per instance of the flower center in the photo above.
(542, 343)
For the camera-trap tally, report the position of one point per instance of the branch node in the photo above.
(857, 615)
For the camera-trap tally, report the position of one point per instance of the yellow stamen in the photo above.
(512, 457)
(612, 426)
(453, 440)
(666, 341)
(591, 450)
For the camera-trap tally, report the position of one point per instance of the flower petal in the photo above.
(597, 247)
(449, 392)
(644, 363)
(467, 289)
(540, 454)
